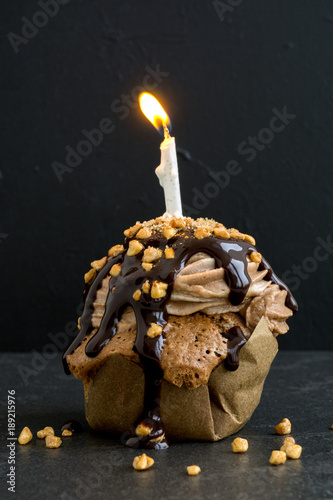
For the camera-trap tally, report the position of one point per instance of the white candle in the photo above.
(167, 171)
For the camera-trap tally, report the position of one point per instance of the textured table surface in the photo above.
(94, 466)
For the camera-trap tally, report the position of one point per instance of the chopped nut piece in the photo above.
(143, 233)
(26, 436)
(249, 238)
(234, 233)
(278, 457)
(284, 427)
(151, 254)
(137, 295)
(193, 470)
(221, 233)
(146, 266)
(146, 287)
(287, 442)
(52, 442)
(158, 439)
(134, 248)
(169, 232)
(239, 445)
(142, 462)
(294, 451)
(143, 430)
(115, 270)
(255, 257)
(47, 431)
(158, 290)
(179, 223)
(67, 433)
(79, 323)
(169, 253)
(90, 276)
(115, 251)
(129, 233)
(202, 232)
(99, 264)
(154, 330)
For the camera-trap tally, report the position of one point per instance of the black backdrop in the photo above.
(223, 70)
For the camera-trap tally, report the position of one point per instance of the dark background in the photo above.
(224, 79)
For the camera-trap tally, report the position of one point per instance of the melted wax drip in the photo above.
(229, 254)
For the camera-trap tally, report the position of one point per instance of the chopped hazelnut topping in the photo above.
(137, 295)
(79, 323)
(151, 254)
(115, 270)
(284, 427)
(278, 457)
(25, 436)
(250, 239)
(115, 251)
(154, 330)
(158, 290)
(255, 257)
(90, 276)
(52, 442)
(134, 248)
(169, 253)
(143, 430)
(193, 470)
(143, 233)
(146, 287)
(142, 462)
(159, 439)
(169, 232)
(99, 264)
(239, 445)
(202, 232)
(294, 451)
(67, 433)
(129, 233)
(287, 442)
(47, 431)
(147, 266)
(221, 233)
(234, 233)
(178, 223)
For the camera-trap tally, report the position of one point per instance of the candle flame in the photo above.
(152, 109)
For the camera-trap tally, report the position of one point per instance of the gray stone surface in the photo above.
(93, 466)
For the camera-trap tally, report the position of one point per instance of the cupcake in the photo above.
(178, 332)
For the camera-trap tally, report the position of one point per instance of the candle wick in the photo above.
(166, 131)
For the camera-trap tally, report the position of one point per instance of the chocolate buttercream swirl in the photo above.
(229, 254)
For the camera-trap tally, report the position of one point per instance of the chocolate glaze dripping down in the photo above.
(227, 253)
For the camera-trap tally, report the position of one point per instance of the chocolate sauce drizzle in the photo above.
(227, 253)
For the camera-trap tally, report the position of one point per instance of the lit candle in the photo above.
(167, 171)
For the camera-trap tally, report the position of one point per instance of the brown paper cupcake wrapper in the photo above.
(114, 400)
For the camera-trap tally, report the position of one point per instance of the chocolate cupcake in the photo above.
(178, 332)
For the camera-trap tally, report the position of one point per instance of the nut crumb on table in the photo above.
(25, 436)
(52, 442)
(284, 427)
(47, 431)
(193, 470)
(142, 462)
(239, 445)
(278, 457)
